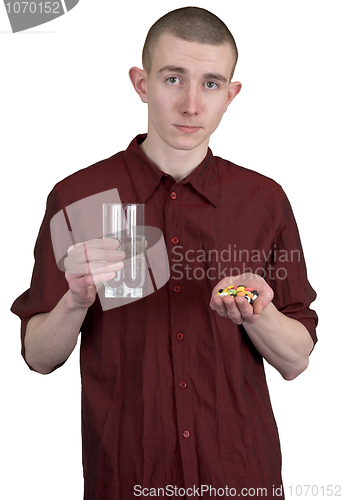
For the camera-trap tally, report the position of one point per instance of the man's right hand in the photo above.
(89, 264)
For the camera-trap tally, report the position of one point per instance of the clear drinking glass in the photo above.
(125, 222)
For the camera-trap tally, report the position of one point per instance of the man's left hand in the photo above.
(238, 309)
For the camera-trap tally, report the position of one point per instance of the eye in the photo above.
(173, 80)
(211, 85)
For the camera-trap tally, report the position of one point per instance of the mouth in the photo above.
(188, 129)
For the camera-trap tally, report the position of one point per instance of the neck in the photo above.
(175, 162)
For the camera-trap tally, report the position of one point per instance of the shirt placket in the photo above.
(180, 339)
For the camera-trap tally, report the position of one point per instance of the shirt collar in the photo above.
(146, 176)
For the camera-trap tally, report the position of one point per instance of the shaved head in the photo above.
(192, 24)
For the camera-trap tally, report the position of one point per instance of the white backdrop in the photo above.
(67, 102)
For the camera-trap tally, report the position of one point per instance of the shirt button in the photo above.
(183, 385)
(185, 434)
(177, 288)
(175, 240)
(173, 196)
(179, 336)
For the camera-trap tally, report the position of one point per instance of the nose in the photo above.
(190, 104)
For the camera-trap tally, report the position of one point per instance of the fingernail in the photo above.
(118, 265)
(114, 242)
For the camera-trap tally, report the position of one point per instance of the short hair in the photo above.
(192, 24)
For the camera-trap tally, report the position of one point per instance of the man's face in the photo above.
(187, 90)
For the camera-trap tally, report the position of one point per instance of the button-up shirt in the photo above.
(174, 397)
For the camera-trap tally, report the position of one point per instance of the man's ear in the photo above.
(138, 78)
(234, 89)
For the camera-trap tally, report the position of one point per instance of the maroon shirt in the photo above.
(173, 395)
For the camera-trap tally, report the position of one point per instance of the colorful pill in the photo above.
(239, 291)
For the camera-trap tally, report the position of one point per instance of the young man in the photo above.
(174, 395)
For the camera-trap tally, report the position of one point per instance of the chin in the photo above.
(187, 143)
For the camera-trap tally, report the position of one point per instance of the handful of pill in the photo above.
(239, 291)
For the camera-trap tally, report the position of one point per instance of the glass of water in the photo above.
(125, 222)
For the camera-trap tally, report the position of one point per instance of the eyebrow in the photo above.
(180, 70)
(215, 76)
(173, 69)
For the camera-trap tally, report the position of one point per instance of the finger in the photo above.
(217, 304)
(106, 254)
(260, 304)
(95, 268)
(80, 256)
(103, 243)
(78, 283)
(225, 307)
(134, 248)
(98, 243)
(246, 310)
(237, 309)
(232, 310)
(73, 247)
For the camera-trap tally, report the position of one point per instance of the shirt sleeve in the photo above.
(286, 271)
(48, 283)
